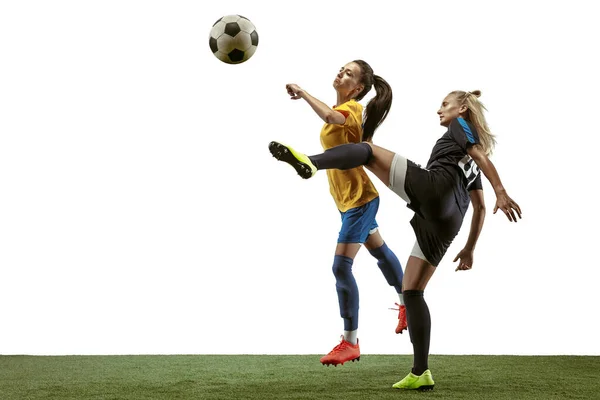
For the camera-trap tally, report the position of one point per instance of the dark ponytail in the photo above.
(379, 106)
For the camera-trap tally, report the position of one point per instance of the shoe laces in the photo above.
(401, 310)
(340, 347)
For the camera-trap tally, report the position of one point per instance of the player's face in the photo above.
(347, 81)
(449, 110)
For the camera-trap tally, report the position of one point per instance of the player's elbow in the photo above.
(479, 208)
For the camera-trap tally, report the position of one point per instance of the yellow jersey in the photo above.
(350, 188)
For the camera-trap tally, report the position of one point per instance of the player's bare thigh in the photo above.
(347, 249)
(417, 274)
(381, 163)
(374, 241)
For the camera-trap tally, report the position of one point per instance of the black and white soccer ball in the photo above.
(233, 39)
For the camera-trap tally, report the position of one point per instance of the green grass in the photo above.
(293, 377)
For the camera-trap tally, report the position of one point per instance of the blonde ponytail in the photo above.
(476, 117)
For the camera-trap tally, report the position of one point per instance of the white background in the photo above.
(141, 212)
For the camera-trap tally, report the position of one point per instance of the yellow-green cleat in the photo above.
(301, 163)
(414, 382)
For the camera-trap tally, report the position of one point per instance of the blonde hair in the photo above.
(476, 117)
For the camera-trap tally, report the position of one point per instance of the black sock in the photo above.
(419, 328)
(344, 156)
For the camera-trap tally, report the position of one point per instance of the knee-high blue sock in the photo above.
(344, 156)
(347, 291)
(389, 265)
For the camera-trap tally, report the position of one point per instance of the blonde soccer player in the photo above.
(439, 195)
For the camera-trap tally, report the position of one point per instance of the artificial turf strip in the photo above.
(293, 377)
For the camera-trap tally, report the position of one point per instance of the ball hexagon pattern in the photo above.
(233, 39)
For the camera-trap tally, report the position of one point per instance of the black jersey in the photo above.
(450, 154)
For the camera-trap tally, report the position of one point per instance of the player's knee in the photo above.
(369, 148)
(342, 266)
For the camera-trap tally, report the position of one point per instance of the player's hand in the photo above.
(508, 206)
(294, 91)
(466, 260)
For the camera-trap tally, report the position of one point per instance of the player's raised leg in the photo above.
(381, 162)
(301, 163)
(346, 156)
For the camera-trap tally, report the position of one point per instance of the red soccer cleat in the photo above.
(402, 324)
(345, 351)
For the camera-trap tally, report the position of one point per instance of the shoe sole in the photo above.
(401, 330)
(342, 363)
(424, 388)
(283, 153)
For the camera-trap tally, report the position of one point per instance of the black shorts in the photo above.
(430, 194)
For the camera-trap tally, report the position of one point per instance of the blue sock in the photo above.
(390, 266)
(347, 291)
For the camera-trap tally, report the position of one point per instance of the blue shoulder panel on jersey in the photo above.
(467, 130)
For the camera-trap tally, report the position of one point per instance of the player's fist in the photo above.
(294, 91)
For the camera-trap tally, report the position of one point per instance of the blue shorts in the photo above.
(358, 223)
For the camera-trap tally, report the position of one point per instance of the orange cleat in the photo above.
(402, 324)
(345, 351)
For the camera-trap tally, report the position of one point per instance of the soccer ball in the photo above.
(233, 39)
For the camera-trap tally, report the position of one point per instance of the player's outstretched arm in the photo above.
(503, 201)
(465, 256)
(325, 112)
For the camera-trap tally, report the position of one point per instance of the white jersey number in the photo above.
(469, 168)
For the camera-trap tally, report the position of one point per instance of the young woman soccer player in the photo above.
(354, 194)
(438, 194)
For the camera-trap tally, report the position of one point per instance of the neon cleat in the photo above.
(414, 382)
(301, 163)
(345, 351)
(402, 324)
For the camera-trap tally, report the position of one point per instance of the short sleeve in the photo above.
(476, 184)
(353, 113)
(345, 113)
(346, 109)
(463, 133)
